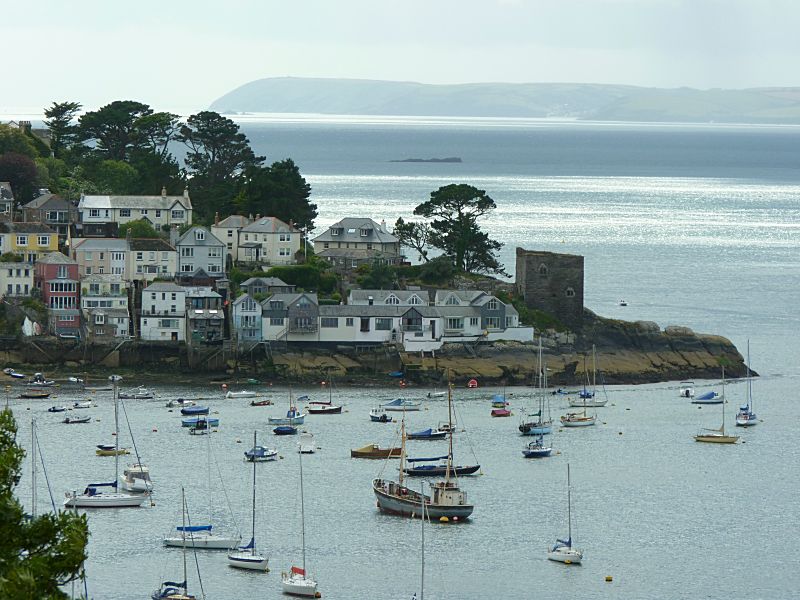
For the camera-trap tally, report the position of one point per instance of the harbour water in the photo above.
(695, 226)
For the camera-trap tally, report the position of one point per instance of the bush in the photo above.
(531, 316)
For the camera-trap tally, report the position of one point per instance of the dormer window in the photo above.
(414, 300)
(452, 301)
(335, 230)
(365, 232)
(491, 305)
(199, 235)
(392, 299)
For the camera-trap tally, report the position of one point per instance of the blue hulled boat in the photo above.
(427, 434)
(192, 422)
(195, 410)
(285, 430)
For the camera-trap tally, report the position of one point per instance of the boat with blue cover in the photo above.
(708, 398)
(193, 421)
(195, 410)
(285, 430)
(438, 470)
(401, 404)
(427, 434)
(260, 454)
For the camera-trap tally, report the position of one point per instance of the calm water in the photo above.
(692, 226)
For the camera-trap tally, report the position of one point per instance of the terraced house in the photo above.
(160, 210)
(198, 250)
(58, 280)
(355, 241)
(28, 240)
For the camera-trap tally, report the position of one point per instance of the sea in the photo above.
(691, 225)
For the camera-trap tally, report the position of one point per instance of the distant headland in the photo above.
(576, 101)
(448, 159)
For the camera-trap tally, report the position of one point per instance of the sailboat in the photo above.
(318, 407)
(718, 436)
(581, 419)
(447, 500)
(92, 496)
(246, 557)
(172, 590)
(297, 582)
(563, 551)
(746, 417)
(537, 448)
(586, 397)
(541, 425)
(202, 536)
(293, 415)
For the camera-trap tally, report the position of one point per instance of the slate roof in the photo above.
(351, 232)
(52, 201)
(8, 227)
(266, 281)
(148, 202)
(380, 296)
(5, 191)
(269, 225)
(56, 258)
(189, 238)
(107, 244)
(150, 244)
(233, 222)
(163, 286)
(465, 296)
(289, 299)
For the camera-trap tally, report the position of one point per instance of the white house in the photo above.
(16, 279)
(199, 249)
(227, 231)
(163, 316)
(151, 258)
(246, 314)
(270, 241)
(353, 241)
(158, 210)
(100, 256)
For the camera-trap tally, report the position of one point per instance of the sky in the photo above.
(181, 55)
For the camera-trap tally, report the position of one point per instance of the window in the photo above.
(474, 321)
(117, 256)
(543, 270)
(276, 321)
(173, 308)
(215, 252)
(348, 322)
(326, 245)
(143, 211)
(98, 331)
(124, 212)
(364, 324)
(509, 322)
(302, 322)
(94, 288)
(285, 237)
(139, 269)
(329, 322)
(230, 245)
(353, 264)
(369, 245)
(187, 268)
(88, 270)
(44, 240)
(174, 296)
(569, 292)
(383, 324)
(414, 300)
(454, 323)
(452, 301)
(492, 305)
(492, 322)
(88, 255)
(230, 232)
(165, 256)
(187, 252)
(116, 270)
(285, 252)
(214, 268)
(152, 256)
(199, 234)
(168, 323)
(139, 256)
(158, 214)
(101, 270)
(177, 214)
(276, 304)
(392, 299)
(22, 240)
(335, 231)
(115, 288)
(94, 212)
(99, 319)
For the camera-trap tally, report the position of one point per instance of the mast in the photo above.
(302, 516)
(450, 430)
(569, 508)
(114, 379)
(723, 401)
(253, 533)
(402, 447)
(594, 371)
(422, 570)
(33, 467)
(749, 381)
(183, 523)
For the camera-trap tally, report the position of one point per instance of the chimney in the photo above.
(216, 218)
(173, 235)
(129, 235)
(383, 225)
(164, 192)
(186, 191)
(258, 216)
(250, 217)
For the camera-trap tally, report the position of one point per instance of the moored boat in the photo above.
(708, 398)
(718, 436)
(260, 454)
(501, 412)
(686, 389)
(427, 434)
(536, 449)
(192, 421)
(746, 417)
(401, 404)
(34, 394)
(138, 393)
(375, 451)
(265, 402)
(136, 478)
(247, 557)
(442, 469)
(378, 415)
(79, 405)
(195, 410)
(563, 550)
(110, 450)
(72, 420)
(56, 409)
(241, 394)
(181, 402)
(285, 430)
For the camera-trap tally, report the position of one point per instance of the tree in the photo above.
(156, 131)
(115, 177)
(41, 553)
(278, 191)
(14, 140)
(20, 171)
(455, 210)
(376, 276)
(141, 228)
(415, 235)
(59, 120)
(114, 128)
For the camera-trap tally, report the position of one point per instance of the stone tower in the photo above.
(552, 283)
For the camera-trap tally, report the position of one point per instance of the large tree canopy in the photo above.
(14, 140)
(454, 211)
(59, 120)
(114, 127)
(38, 554)
(279, 191)
(20, 171)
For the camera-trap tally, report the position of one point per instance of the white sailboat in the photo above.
(246, 557)
(718, 436)
(95, 497)
(297, 582)
(174, 590)
(586, 398)
(563, 550)
(746, 417)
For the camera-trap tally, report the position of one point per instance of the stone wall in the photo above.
(552, 283)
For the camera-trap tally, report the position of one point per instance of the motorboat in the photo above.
(285, 430)
(181, 402)
(378, 415)
(192, 421)
(39, 380)
(260, 454)
(241, 394)
(79, 405)
(136, 478)
(73, 420)
(56, 409)
(306, 445)
(375, 451)
(138, 393)
(401, 404)
(293, 417)
(110, 450)
(686, 389)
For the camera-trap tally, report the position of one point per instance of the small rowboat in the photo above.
(71, 420)
(110, 450)
(55, 409)
(285, 430)
(34, 394)
(375, 451)
(501, 412)
(261, 403)
(195, 410)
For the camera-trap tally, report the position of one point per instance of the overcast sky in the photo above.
(181, 55)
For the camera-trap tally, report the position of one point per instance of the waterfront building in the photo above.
(163, 314)
(199, 249)
(268, 241)
(56, 276)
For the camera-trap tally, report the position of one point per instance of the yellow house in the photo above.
(29, 240)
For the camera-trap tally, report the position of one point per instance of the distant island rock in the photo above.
(578, 101)
(449, 159)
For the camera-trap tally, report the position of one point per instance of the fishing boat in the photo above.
(137, 393)
(195, 410)
(247, 557)
(540, 425)
(285, 430)
(686, 389)
(718, 436)
(708, 398)
(746, 417)
(110, 450)
(306, 444)
(563, 551)
(536, 449)
(192, 421)
(94, 496)
(241, 394)
(171, 590)
(260, 454)
(34, 394)
(135, 478)
(375, 451)
(73, 420)
(79, 405)
(265, 402)
(56, 409)
(446, 502)
(401, 404)
(39, 380)
(501, 412)
(181, 402)
(427, 434)
(438, 470)
(297, 582)
(378, 415)
(587, 397)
